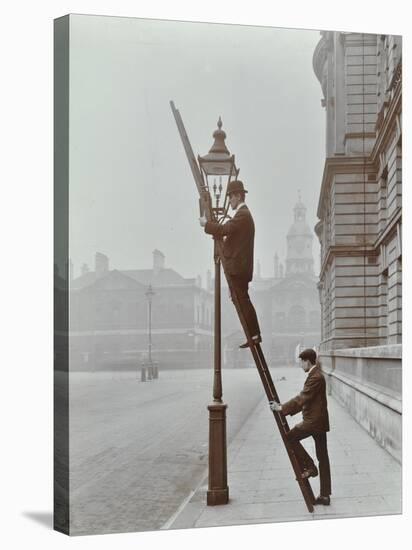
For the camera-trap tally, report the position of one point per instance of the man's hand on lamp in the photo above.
(275, 406)
(202, 220)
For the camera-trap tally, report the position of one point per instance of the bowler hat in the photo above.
(235, 186)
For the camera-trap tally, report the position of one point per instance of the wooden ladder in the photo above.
(256, 349)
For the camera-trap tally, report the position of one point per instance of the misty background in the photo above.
(131, 189)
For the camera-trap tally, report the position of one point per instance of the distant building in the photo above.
(109, 317)
(287, 303)
(360, 227)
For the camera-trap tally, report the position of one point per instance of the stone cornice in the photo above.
(357, 135)
(349, 250)
(342, 165)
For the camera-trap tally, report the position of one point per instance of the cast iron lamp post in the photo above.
(150, 369)
(218, 168)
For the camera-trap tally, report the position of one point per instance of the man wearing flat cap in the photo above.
(238, 236)
(312, 402)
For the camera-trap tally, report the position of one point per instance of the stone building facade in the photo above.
(109, 318)
(360, 227)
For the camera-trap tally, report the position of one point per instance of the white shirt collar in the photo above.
(239, 206)
(311, 368)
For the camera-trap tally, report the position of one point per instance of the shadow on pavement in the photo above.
(43, 518)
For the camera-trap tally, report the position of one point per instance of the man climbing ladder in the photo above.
(312, 402)
(238, 234)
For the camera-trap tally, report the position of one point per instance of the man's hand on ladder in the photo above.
(275, 406)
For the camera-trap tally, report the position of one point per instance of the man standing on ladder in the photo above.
(238, 234)
(313, 404)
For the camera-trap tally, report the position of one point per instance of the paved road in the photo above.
(138, 449)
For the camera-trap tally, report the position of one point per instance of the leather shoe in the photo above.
(310, 472)
(322, 500)
(255, 340)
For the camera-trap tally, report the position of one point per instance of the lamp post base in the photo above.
(217, 496)
(218, 491)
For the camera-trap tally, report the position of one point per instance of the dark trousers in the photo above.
(241, 287)
(295, 435)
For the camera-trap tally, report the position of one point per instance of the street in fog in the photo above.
(139, 449)
(137, 453)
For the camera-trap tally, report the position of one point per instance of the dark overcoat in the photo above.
(238, 244)
(312, 402)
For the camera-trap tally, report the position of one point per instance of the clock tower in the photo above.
(299, 257)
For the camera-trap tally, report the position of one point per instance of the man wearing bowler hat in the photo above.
(238, 239)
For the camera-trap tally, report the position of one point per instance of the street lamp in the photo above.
(150, 367)
(218, 163)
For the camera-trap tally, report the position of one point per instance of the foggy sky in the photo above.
(131, 189)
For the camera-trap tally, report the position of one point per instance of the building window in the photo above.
(297, 318)
(280, 318)
(384, 260)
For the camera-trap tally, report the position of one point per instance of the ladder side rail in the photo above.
(197, 175)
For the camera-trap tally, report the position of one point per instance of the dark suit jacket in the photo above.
(238, 245)
(312, 402)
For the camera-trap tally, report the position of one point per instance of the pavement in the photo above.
(366, 480)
